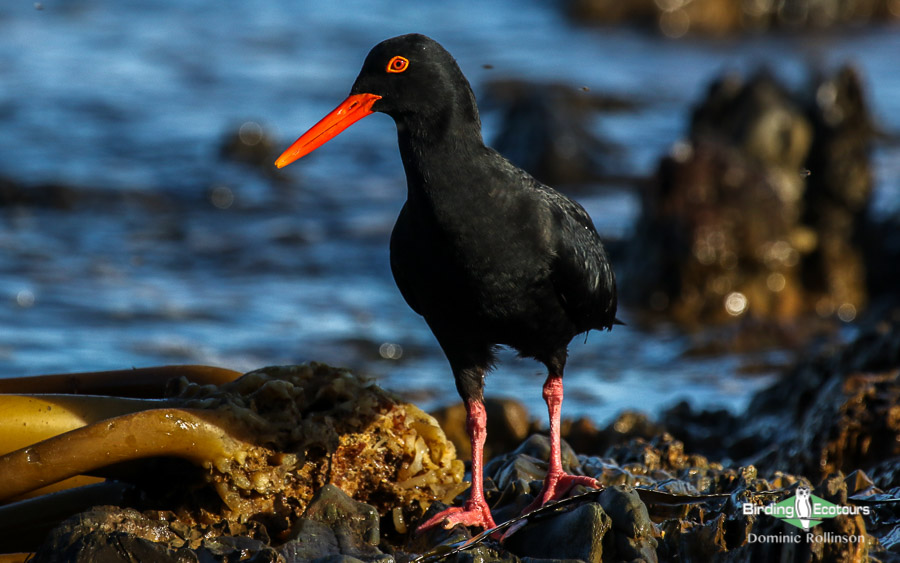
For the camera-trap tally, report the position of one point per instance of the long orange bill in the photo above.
(349, 112)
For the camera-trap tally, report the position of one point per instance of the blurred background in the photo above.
(740, 156)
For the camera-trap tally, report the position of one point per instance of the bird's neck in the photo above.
(437, 149)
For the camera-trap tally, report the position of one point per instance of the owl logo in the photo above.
(803, 507)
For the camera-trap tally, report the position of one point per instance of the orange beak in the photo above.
(349, 112)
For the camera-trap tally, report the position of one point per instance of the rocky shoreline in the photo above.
(681, 487)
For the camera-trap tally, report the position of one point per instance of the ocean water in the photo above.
(171, 254)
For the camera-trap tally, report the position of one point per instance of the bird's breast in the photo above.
(473, 265)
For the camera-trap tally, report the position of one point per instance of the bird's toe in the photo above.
(556, 487)
(478, 515)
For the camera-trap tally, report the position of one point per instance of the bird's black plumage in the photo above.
(484, 252)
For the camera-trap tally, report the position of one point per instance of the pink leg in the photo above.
(475, 512)
(557, 483)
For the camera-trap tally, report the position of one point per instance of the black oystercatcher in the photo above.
(486, 253)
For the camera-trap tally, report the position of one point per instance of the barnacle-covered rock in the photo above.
(247, 455)
(313, 425)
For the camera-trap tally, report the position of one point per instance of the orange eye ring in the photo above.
(397, 64)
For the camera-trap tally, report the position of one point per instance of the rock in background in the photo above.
(675, 18)
(733, 227)
(543, 131)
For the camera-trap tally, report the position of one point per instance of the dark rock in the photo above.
(831, 415)
(760, 118)
(732, 230)
(528, 462)
(310, 539)
(838, 192)
(334, 559)
(709, 242)
(113, 534)
(227, 548)
(335, 525)
(634, 537)
(428, 539)
(661, 453)
(543, 131)
(834, 412)
(108, 534)
(577, 534)
(332, 506)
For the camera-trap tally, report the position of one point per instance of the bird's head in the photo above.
(412, 78)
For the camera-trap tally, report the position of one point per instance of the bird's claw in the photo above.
(469, 515)
(557, 487)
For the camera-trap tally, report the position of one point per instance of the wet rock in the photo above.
(661, 454)
(114, 534)
(714, 242)
(335, 525)
(528, 461)
(722, 17)
(733, 231)
(318, 425)
(543, 132)
(109, 534)
(228, 548)
(313, 437)
(635, 533)
(578, 534)
(834, 412)
(848, 424)
(833, 419)
(760, 118)
(642, 529)
(428, 539)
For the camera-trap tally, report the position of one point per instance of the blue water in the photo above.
(129, 102)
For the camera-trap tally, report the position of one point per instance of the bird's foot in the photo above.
(556, 487)
(472, 514)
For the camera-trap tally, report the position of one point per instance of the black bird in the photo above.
(486, 253)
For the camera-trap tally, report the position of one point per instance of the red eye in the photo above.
(397, 64)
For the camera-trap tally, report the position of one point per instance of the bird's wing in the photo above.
(580, 270)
